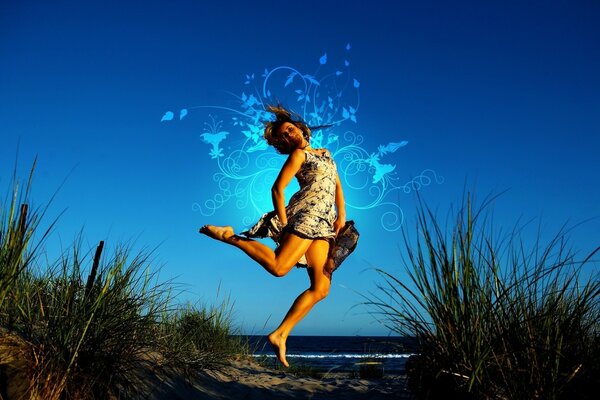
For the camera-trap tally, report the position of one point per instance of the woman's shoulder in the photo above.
(297, 155)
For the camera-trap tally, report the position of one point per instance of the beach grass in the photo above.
(90, 323)
(201, 337)
(18, 222)
(494, 317)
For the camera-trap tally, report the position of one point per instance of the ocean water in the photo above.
(341, 353)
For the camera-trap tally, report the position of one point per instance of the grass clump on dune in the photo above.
(493, 318)
(85, 333)
(202, 337)
(93, 324)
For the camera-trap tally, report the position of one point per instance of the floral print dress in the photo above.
(311, 210)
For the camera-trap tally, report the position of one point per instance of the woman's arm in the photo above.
(340, 205)
(290, 168)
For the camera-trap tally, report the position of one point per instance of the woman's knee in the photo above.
(321, 291)
(282, 267)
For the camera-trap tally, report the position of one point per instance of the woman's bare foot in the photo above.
(221, 233)
(278, 344)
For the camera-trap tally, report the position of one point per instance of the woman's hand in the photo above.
(338, 224)
(283, 224)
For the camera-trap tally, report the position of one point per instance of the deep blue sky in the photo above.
(490, 95)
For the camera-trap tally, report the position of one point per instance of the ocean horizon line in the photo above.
(343, 356)
(326, 335)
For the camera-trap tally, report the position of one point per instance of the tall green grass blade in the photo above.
(492, 317)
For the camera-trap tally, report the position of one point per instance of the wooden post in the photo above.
(92, 276)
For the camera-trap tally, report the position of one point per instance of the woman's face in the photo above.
(293, 134)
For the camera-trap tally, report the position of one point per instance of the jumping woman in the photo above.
(311, 231)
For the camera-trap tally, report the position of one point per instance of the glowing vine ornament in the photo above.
(247, 167)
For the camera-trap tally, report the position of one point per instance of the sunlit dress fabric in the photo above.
(311, 210)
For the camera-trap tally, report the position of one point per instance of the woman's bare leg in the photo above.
(316, 256)
(278, 262)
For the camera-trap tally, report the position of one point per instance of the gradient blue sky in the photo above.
(491, 95)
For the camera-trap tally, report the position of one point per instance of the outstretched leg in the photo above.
(319, 288)
(278, 262)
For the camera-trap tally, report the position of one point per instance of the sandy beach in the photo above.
(246, 379)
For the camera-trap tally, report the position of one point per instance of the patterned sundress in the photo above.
(311, 210)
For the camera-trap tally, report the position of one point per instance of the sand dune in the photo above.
(245, 379)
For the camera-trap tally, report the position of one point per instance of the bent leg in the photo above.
(278, 262)
(319, 288)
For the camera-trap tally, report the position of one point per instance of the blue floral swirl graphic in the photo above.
(328, 99)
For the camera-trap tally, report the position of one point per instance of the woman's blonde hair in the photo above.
(271, 134)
